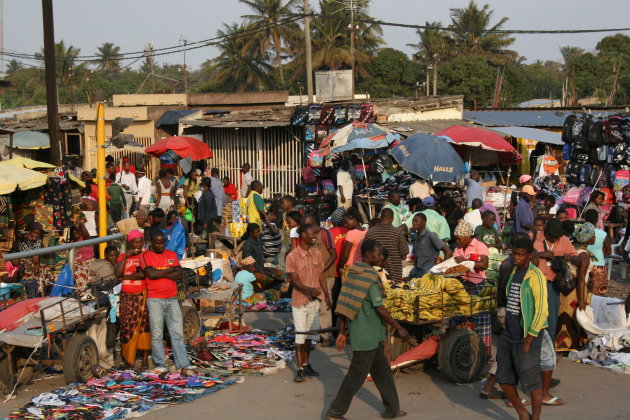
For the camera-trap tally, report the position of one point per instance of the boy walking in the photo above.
(518, 351)
(361, 308)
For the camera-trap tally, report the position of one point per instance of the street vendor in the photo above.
(471, 249)
(31, 273)
(426, 247)
(256, 204)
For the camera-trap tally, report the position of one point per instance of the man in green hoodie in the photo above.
(518, 350)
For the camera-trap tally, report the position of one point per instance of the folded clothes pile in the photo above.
(119, 395)
(401, 181)
(255, 352)
(281, 305)
(219, 358)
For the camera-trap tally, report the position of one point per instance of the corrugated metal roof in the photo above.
(427, 126)
(529, 118)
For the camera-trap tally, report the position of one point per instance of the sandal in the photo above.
(492, 395)
(523, 401)
(553, 401)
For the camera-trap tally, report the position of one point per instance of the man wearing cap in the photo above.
(126, 159)
(144, 190)
(523, 216)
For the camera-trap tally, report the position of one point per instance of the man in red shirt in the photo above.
(162, 270)
(306, 269)
(230, 189)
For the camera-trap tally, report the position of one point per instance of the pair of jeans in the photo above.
(375, 363)
(167, 311)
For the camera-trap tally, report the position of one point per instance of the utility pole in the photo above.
(185, 72)
(51, 82)
(352, 31)
(307, 50)
(428, 82)
(435, 76)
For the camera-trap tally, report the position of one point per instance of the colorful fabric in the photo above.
(569, 333)
(248, 260)
(81, 273)
(134, 325)
(463, 229)
(584, 232)
(358, 280)
(598, 280)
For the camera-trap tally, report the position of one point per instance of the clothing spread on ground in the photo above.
(218, 358)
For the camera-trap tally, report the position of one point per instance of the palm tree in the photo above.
(276, 33)
(241, 62)
(108, 57)
(65, 57)
(14, 66)
(472, 34)
(434, 45)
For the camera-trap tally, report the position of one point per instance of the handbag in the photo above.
(565, 280)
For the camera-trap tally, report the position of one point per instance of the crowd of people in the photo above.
(335, 274)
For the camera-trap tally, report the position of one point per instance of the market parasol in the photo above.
(430, 157)
(31, 140)
(182, 146)
(483, 147)
(357, 135)
(22, 162)
(13, 177)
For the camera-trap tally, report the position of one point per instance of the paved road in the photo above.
(589, 392)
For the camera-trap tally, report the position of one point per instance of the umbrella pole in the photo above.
(505, 196)
(367, 184)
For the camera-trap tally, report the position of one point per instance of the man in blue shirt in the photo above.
(474, 188)
(523, 216)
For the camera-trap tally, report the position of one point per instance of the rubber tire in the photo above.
(192, 324)
(79, 359)
(461, 355)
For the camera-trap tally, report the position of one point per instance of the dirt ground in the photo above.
(589, 392)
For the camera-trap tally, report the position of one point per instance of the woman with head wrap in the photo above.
(569, 333)
(470, 249)
(34, 277)
(134, 318)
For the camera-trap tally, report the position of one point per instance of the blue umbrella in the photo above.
(430, 157)
(367, 143)
(31, 140)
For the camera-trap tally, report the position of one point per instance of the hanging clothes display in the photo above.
(59, 195)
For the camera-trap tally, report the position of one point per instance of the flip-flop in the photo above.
(523, 401)
(553, 401)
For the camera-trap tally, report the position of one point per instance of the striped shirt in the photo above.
(395, 242)
(271, 243)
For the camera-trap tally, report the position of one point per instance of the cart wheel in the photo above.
(79, 359)
(192, 324)
(461, 355)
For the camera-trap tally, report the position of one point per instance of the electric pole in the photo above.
(183, 41)
(51, 82)
(307, 50)
(352, 30)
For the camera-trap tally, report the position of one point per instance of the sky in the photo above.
(130, 24)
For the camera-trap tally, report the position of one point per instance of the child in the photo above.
(246, 278)
(380, 268)
(287, 204)
(292, 221)
(486, 232)
(539, 226)
(519, 347)
(271, 239)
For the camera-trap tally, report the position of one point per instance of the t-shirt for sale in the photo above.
(513, 331)
(163, 288)
(132, 286)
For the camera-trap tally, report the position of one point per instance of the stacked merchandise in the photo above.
(219, 357)
(435, 297)
(598, 150)
(401, 181)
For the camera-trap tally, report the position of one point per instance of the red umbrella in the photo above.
(182, 146)
(484, 139)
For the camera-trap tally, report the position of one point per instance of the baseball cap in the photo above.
(528, 189)
(524, 178)
(428, 201)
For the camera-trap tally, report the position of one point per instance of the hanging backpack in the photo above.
(327, 115)
(308, 175)
(367, 113)
(585, 173)
(595, 138)
(566, 151)
(567, 129)
(576, 128)
(614, 129)
(353, 112)
(622, 178)
(593, 156)
(314, 112)
(602, 153)
(595, 177)
(321, 132)
(315, 160)
(585, 194)
(610, 171)
(573, 173)
(619, 154)
(300, 116)
(340, 115)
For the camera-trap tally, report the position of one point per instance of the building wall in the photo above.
(403, 115)
(275, 155)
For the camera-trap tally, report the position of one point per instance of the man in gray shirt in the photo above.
(217, 189)
(426, 247)
(474, 188)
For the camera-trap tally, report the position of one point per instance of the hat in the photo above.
(134, 234)
(247, 261)
(428, 201)
(463, 229)
(140, 214)
(338, 215)
(524, 178)
(528, 189)
(553, 228)
(584, 232)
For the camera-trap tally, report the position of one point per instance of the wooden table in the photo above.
(366, 209)
(213, 237)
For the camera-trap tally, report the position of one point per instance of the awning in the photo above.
(172, 117)
(529, 133)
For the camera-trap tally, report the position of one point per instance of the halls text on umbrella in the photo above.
(442, 169)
